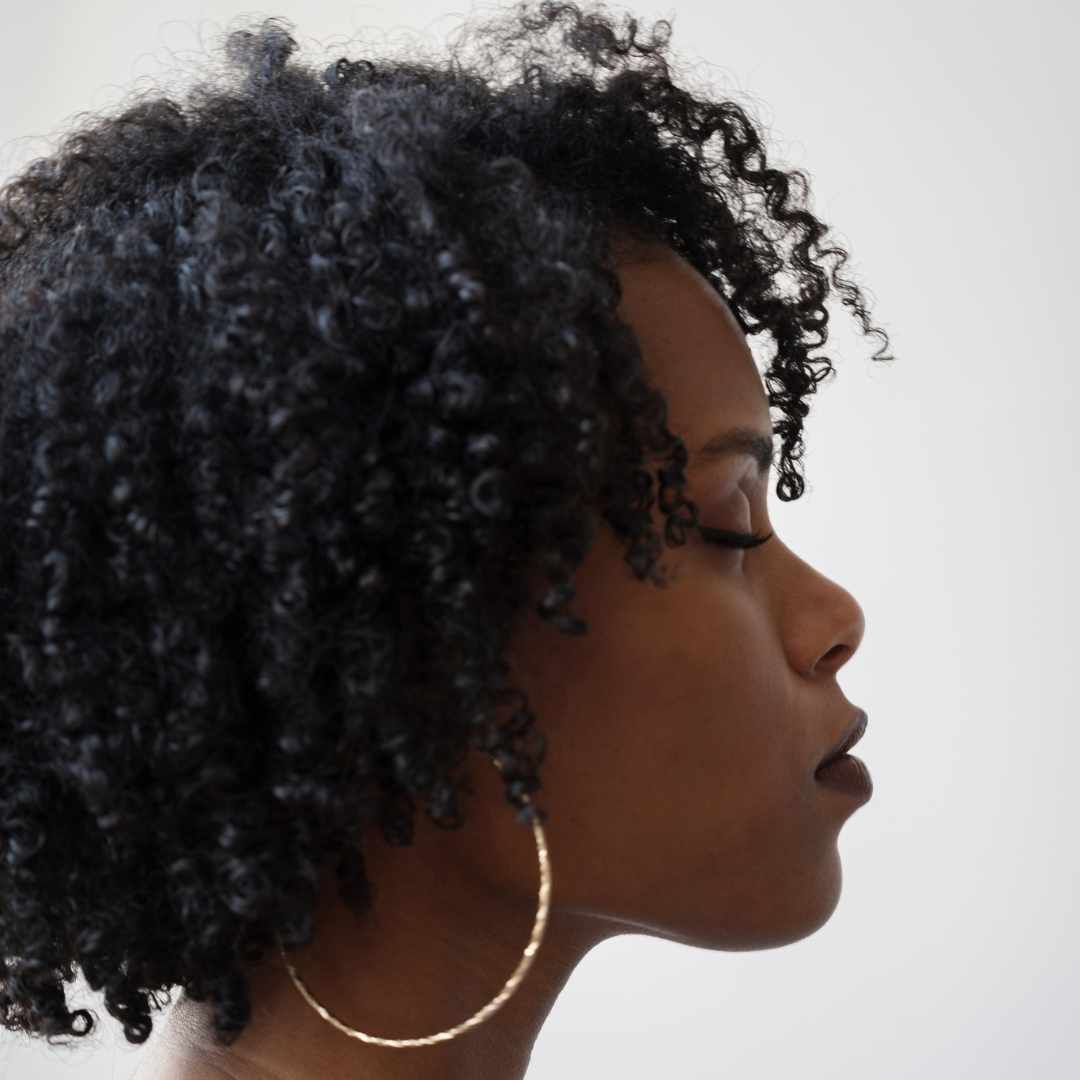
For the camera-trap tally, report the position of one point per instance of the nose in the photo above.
(821, 622)
(840, 626)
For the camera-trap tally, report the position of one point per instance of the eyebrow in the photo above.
(740, 440)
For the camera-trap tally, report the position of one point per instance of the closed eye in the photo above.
(725, 538)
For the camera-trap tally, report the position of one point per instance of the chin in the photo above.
(767, 915)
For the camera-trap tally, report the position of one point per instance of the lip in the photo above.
(852, 734)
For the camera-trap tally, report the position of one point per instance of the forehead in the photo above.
(692, 347)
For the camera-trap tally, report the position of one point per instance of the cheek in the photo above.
(682, 681)
(686, 679)
(706, 715)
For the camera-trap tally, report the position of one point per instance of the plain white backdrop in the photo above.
(940, 139)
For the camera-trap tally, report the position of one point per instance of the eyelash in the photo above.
(732, 539)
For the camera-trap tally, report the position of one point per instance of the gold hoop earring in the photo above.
(492, 1006)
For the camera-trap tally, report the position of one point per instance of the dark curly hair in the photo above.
(301, 377)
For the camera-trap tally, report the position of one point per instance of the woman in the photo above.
(366, 428)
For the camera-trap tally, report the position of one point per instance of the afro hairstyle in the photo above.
(307, 375)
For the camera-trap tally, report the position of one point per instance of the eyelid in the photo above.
(739, 541)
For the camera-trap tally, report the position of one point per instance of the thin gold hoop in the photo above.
(492, 1006)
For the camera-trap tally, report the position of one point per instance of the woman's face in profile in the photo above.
(684, 729)
(683, 733)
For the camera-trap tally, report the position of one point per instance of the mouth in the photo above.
(853, 733)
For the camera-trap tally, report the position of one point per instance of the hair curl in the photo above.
(299, 377)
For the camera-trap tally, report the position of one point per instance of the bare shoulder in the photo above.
(181, 1069)
(161, 1067)
(199, 1071)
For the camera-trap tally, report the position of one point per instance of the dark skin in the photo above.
(707, 825)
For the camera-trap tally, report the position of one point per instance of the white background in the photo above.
(940, 139)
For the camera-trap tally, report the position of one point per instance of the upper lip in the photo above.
(852, 734)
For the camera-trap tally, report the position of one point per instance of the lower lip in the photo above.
(848, 775)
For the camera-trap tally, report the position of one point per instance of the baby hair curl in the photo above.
(303, 376)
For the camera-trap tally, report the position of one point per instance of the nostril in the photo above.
(834, 659)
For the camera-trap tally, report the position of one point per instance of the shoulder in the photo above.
(189, 1069)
